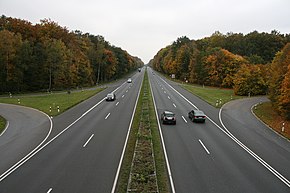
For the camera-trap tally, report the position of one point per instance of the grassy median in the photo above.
(162, 177)
(52, 104)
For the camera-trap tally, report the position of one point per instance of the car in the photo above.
(111, 97)
(196, 116)
(129, 80)
(139, 69)
(168, 117)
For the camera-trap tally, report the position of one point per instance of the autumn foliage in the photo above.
(47, 56)
(241, 62)
(279, 83)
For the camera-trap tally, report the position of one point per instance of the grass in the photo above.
(162, 177)
(50, 103)
(266, 113)
(2, 124)
(214, 96)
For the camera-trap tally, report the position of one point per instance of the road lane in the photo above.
(228, 168)
(65, 166)
(270, 146)
(27, 130)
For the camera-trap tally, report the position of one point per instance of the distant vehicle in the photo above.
(139, 69)
(168, 117)
(196, 116)
(129, 80)
(111, 97)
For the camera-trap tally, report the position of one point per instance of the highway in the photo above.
(83, 151)
(231, 152)
(207, 157)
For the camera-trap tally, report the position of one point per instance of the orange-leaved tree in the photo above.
(279, 81)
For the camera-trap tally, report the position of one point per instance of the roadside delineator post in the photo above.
(283, 127)
(58, 109)
(18, 101)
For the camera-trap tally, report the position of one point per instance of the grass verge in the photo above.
(266, 113)
(2, 124)
(214, 96)
(162, 179)
(52, 104)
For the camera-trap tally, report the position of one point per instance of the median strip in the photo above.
(143, 167)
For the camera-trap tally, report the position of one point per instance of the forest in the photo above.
(251, 64)
(47, 57)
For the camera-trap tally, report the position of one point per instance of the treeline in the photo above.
(47, 56)
(252, 64)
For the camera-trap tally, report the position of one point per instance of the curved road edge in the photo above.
(25, 119)
(255, 139)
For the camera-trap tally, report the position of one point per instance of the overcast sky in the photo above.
(143, 27)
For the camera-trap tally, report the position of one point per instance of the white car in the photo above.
(111, 97)
(129, 80)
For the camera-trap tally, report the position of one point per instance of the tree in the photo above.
(221, 67)
(250, 80)
(278, 84)
(284, 98)
(9, 47)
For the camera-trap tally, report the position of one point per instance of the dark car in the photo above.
(168, 117)
(196, 116)
(111, 97)
(139, 69)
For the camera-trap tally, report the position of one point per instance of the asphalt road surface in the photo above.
(231, 152)
(83, 151)
(208, 157)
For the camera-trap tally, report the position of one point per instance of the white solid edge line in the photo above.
(126, 141)
(88, 140)
(6, 127)
(184, 119)
(204, 147)
(50, 189)
(253, 154)
(20, 162)
(38, 148)
(229, 134)
(163, 144)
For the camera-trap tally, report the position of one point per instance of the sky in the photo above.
(143, 27)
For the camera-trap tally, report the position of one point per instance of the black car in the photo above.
(168, 117)
(196, 116)
(111, 97)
